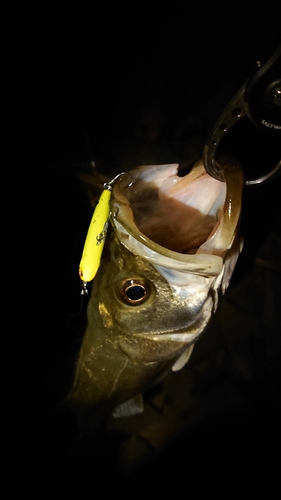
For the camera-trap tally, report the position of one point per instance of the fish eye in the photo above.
(135, 292)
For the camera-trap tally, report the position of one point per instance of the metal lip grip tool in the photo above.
(256, 105)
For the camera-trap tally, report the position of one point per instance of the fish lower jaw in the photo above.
(183, 335)
(180, 336)
(187, 334)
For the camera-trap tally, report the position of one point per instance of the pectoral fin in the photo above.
(183, 359)
(129, 408)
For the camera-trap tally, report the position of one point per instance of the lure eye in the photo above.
(135, 292)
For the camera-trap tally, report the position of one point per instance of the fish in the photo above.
(171, 248)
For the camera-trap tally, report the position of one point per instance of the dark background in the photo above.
(185, 61)
(93, 79)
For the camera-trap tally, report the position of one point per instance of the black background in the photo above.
(90, 76)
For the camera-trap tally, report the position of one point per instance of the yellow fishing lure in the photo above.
(95, 239)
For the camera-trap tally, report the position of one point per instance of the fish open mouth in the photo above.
(180, 216)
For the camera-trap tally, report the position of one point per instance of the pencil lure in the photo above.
(95, 238)
(96, 235)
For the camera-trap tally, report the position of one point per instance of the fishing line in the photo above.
(72, 316)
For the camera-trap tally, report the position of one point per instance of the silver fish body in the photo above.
(171, 251)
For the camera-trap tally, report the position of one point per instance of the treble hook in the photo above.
(108, 185)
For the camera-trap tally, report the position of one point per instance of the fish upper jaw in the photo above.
(138, 244)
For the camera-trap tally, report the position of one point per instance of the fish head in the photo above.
(151, 312)
(186, 229)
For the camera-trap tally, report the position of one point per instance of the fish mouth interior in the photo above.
(191, 214)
